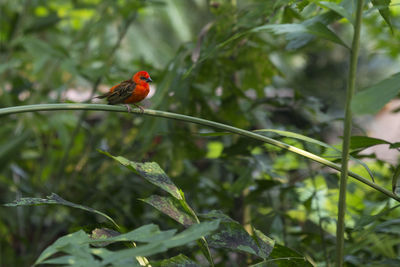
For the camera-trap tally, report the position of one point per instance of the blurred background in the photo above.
(70, 50)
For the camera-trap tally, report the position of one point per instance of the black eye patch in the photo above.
(143, 78)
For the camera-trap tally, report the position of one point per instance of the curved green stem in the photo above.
(180, 117)
(351, 84)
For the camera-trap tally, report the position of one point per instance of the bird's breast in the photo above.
(139, 93)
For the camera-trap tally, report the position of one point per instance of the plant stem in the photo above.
(180, 117)
(351, 83)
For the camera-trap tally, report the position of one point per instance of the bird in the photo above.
(130, 91)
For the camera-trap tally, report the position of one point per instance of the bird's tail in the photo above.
(102, 96)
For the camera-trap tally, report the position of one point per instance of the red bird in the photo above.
(130, 91)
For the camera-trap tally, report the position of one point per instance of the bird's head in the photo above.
(141, 77)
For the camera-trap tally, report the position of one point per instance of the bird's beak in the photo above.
(149, 80)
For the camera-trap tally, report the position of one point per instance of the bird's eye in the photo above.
(143, 78)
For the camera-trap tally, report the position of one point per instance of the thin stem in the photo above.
(346, 135)
(180, 117)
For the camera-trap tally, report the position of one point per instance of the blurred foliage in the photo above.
(224, 60)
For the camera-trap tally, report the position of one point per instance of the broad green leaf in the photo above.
(148, 233)
(282, 257)
(322, 31)
(317, 29)
(130, 253)
(172, 208)
(372, 99)
(357, 142)
(316, 142)
(79, 237)
(55, 199)
(395, 180)
(231, 235)
(383, 7)
(76, 245)
(338, 9)
(150, 171)
(194, 232)
(103, 233)
(179, 261)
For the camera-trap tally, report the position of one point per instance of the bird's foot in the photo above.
(128, 107)
(141, 108)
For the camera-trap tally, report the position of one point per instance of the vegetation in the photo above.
(237, 159)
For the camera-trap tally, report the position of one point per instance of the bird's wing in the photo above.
(121, 92)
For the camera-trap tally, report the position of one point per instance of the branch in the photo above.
(180, 117)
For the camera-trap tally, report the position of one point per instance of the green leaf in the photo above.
(140, 251)
(357, 142)
(338, 9)
(101, 234)
(178, 261)
(172, 208)
(233, 236)
(194, 232)
(317, 29)
(79, 237)
(150, 171)
(372, 99)
(148, 233)
(383, 7)
(56, 199)
(322, 31)
(282, 257)
(368, 219)
(76, 245)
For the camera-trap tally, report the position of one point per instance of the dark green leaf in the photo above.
(150, 171)
(172, 208)
(79, 237)
(338, 9)
(103, 233)
(357, 142)
(149, 233)
(283, 257)
(383, 7)
(55, 199)
(194, 232)
(372, 99)
(178, 261)
(368, 219)
(231, 235)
